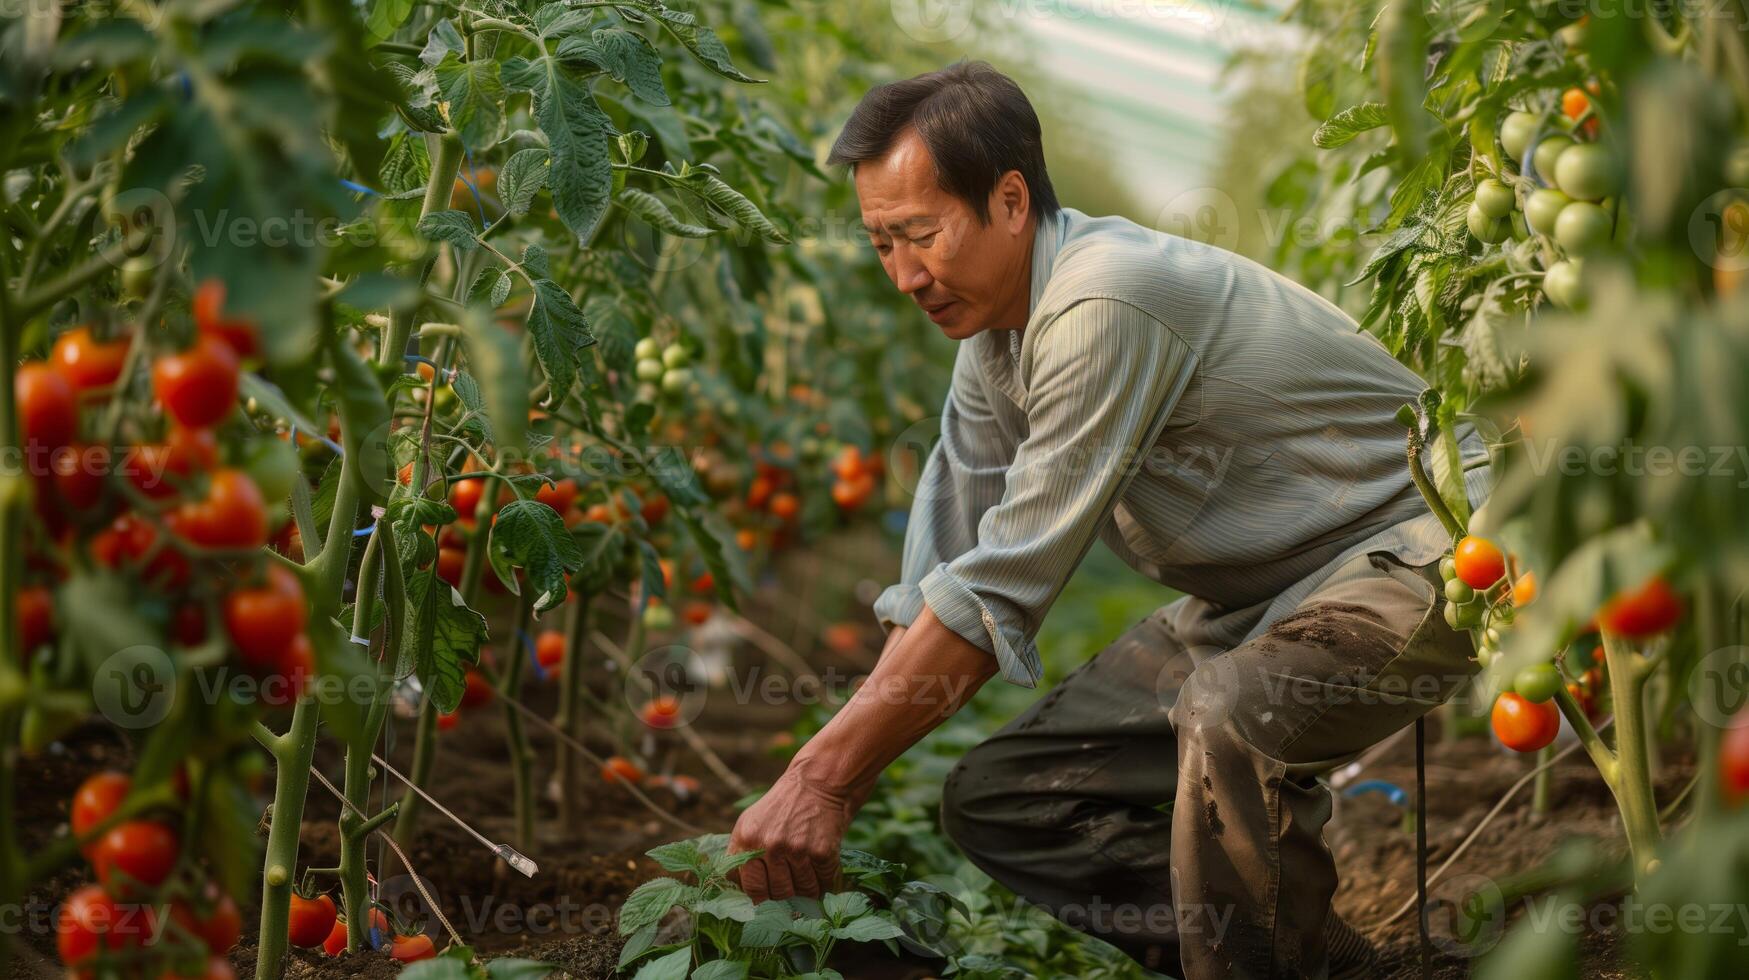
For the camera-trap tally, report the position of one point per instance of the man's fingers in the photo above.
(801, 872)
(778, 881)
(826, 873)
(754, 880)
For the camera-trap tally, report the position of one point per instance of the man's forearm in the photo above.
(925, 674)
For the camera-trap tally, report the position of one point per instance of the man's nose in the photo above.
(908, 273)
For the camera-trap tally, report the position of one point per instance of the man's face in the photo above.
(968, 276)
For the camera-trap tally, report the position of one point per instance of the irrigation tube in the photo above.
(511, 856)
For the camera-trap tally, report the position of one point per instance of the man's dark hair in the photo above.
(976, 123)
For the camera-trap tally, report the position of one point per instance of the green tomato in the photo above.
(1564, 285)
(1537, 683)
(675, 356)
(1447, 568)
(137, 276)
(1582, 228)
(1487, 230)
(647, 349)
(1516, 132)
(1548, 153)
(1587, 172)
(677, 380)
(658, 617)
(1458, 591)
(649, 369)
(1494, 198)
(1485, 656)
(1543, 208)
(1451, 616)
(1492, 637)
(274, 466)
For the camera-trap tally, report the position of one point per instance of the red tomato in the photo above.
(759, 493)
(705, 584)
(447, 720)
(219, 928)
(559, 495)
(1478, 562)
(188, 624)
(310, 920)
(48, 410)
(619, 767)
(785, 506)
(412, 949)
(36, 618)
(1734, 760)
(86, 362)
(843, 637)
(655, 508)
(90, 916)
(296, 668)
(129, 538)
(850, 494)
(662, 712)
(233, 515)
(1525, 726)
(79, 471)
(464, 496)
(479, 690)
(264, 619)
(209, 319)
(696, 612)
(95, 799)
(335, 944)
(450, 562)
(198, 387)
(848, 466)
(549, 649)
(141, 852)
(1650, 609)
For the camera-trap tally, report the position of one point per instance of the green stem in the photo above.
(570, 714)
(1633, 782)
(354, 879)
(1601, 755)
(1543, 786)
(292, 753)
(521, 756)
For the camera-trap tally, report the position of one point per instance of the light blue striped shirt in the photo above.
(1224, 430)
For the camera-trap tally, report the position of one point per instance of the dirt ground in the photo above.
(564, 915)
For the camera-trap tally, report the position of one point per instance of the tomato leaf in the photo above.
(474, 93)
(702, 42)
(530, 535)
(524, 176)
(385, 16)
(628, 57)
(578, 135)
(601, 547)
(443, 636)
(560, 332)
(652, 211)
(733, 204)
(1343, 127)
(454, 227)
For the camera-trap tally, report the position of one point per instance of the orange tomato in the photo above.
(619, 767)
(1522, 725)
(785, 506)
(549, 649)
(1574, 104)
(1479, 563)
(1524, 590)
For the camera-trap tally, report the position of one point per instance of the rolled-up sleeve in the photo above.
(962, 478)
(1103, 380)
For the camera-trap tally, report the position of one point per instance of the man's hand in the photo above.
(799, 825)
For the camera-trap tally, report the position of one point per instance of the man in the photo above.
(1223, 430)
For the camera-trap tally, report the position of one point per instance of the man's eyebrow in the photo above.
(905, 225)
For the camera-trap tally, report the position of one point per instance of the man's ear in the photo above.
(1011, 202)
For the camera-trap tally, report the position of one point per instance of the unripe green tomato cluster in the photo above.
(666, 367)
(1572, 210)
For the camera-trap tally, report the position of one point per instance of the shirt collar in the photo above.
(1047, 241)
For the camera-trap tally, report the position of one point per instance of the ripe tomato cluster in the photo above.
(1483, 592)
(151, 509)
(150, 913)
(855, 478)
